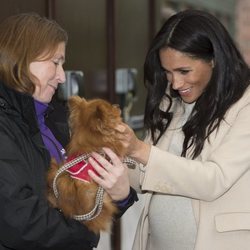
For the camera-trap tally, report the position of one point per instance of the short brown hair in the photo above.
(23, 38)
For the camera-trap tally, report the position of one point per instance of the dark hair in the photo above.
(202, 36)
(25, 38)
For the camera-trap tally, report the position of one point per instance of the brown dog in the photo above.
(92, 126)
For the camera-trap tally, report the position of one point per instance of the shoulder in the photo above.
(245, 99)
(239, 108)
(242, 102)
(7, 116)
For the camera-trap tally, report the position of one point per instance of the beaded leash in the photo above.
(100, 192)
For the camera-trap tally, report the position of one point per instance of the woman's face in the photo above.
(187, 75)
(49, 74)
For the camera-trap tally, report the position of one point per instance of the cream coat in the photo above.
(218, 182)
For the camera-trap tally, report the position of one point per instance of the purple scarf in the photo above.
(54, 147)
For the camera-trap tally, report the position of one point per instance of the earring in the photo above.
(212, 63)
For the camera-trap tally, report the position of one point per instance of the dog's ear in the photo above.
(76, 106)
(74, 102)
(101, 111)
(106, 118)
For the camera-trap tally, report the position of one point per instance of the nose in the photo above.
(177, 82)
(61, 74)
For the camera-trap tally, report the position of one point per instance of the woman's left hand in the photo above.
(113, 174)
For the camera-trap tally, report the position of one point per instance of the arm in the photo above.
(27, 222)
(210, 176)
(124, 204)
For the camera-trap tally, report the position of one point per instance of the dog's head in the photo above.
(92, 124)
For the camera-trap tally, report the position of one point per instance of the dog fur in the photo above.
(92, 124)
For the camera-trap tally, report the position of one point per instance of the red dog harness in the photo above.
(79, 171)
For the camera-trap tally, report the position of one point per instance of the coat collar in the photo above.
(20, 105)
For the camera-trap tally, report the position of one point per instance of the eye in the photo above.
(184, 71)
(56, 62)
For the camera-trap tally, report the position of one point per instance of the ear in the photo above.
(99, 117)
(76, 106)
(74, 102)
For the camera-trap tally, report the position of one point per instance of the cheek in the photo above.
(201, 79)
(38, 79)
(205, 78)
(169, 77)
(36, 69)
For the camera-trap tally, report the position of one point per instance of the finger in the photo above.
(101, 160)
(99, 167)
(113, 157)
(96, 178)
(104, 179)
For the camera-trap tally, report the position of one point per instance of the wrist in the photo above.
(141, 151)
(129, 200)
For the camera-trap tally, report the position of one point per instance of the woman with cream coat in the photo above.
(195, 161)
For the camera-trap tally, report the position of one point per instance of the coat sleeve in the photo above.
(209, 177)
(123, 205)
(27, 222)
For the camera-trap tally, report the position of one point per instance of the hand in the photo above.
(128, 138)
(113, 174)
(135, 148)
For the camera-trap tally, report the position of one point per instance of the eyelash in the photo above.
(56, 63)
(184, 72)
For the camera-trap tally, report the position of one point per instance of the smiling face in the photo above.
(187, 75)
(48, 74)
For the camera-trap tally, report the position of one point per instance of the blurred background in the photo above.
(108, 40)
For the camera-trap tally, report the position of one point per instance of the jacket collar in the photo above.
(19, 104)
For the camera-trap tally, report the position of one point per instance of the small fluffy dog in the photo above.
(92, 124)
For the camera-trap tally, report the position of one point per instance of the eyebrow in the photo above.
(177, 69)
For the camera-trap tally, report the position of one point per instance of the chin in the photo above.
(189, 100)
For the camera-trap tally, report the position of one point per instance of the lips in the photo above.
(184, 91)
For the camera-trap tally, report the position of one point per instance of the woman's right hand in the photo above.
(135, 148)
